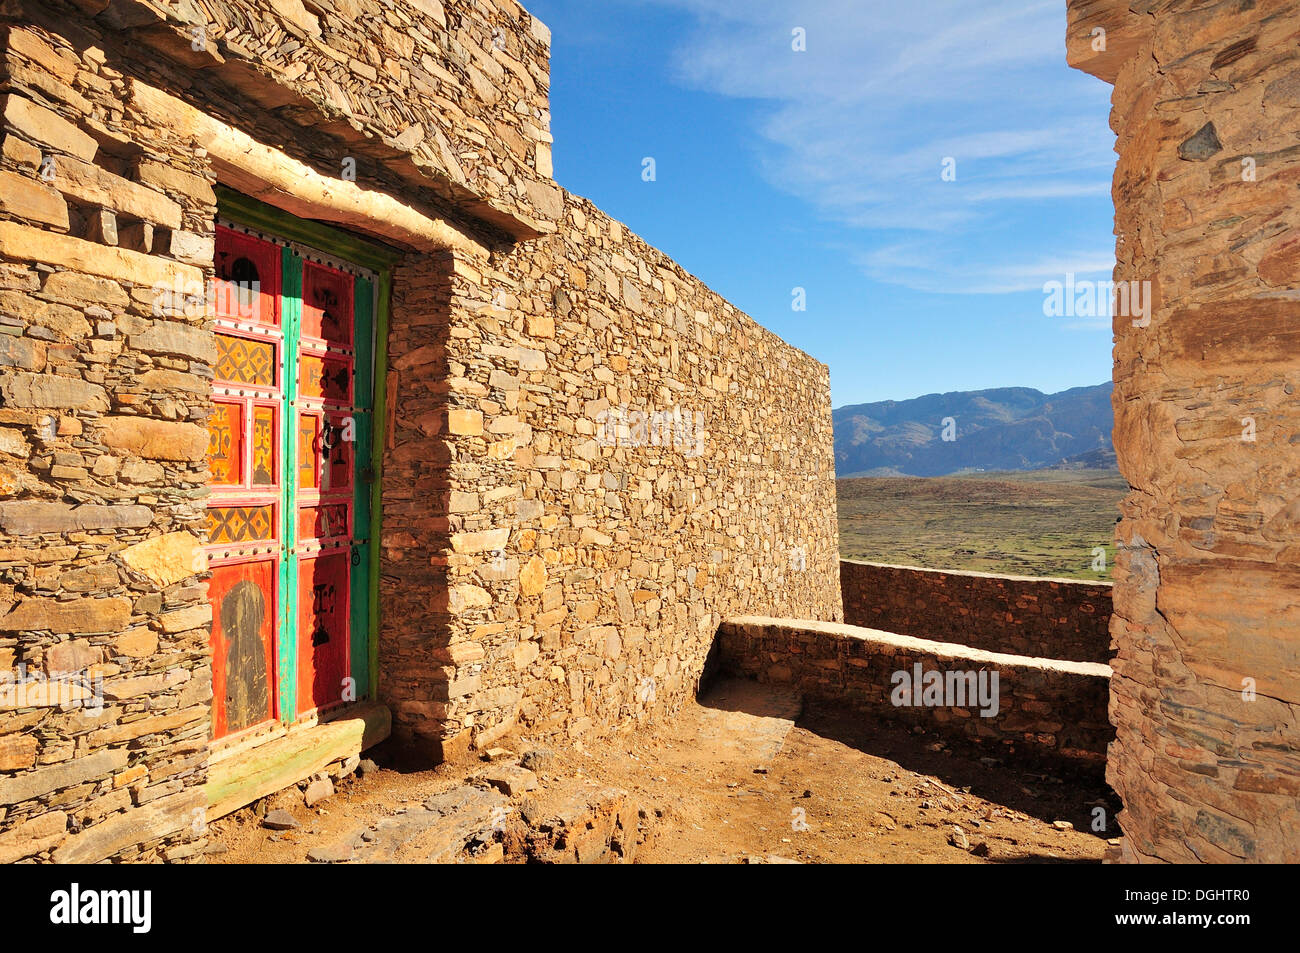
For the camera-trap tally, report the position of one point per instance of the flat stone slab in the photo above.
(338, 854)
(280, 820)
(435, 832)
(510, 779)
(317, 791)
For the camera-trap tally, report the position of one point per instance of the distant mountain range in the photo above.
(1006, 428)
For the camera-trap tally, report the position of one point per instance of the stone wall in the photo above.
(588, 570)
(450, 96)
(1206, 694)
(1019, 615)
(105, 680)
(416, 660)
(1047, 712)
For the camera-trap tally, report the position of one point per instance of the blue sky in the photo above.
(822, 169)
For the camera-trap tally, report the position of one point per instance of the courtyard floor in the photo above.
(747, 774)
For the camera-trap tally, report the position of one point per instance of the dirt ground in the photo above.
(753, 777)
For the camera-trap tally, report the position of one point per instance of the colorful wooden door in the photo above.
(289, 511)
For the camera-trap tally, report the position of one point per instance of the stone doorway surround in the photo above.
(268, 760)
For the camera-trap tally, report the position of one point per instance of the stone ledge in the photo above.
(947, 650)
(976, 574)
(1125, 30)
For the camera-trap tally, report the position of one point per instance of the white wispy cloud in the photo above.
(860, 123)
(929, 264)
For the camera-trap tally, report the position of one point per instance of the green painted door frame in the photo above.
(370, 340)
(286, 641)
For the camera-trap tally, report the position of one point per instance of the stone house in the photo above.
(327, 417)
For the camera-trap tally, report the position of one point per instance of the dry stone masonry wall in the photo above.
(631, 461)
(105, 680)
(1019, 615)
(1206, 694)
(452, 94)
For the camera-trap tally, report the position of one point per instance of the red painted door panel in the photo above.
(322, 629)
(243, 639)
(247, 279)
(327, 305)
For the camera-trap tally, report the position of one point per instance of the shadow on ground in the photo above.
(1039, 789)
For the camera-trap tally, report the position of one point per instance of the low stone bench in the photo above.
(1042, 709)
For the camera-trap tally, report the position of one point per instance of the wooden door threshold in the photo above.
(253, 773)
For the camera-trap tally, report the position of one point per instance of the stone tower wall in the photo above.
(1206, 692)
